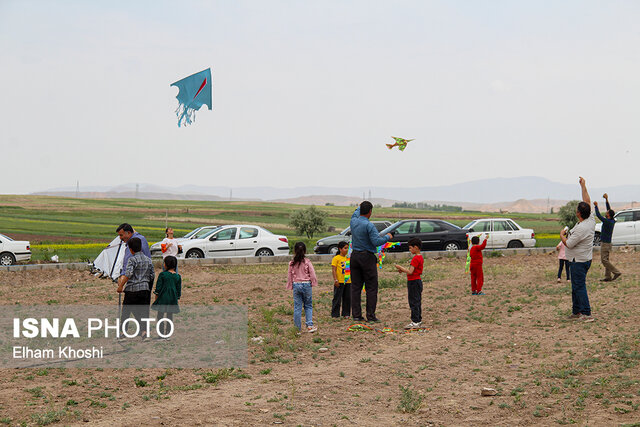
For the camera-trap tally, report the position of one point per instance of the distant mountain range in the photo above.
(522, 194)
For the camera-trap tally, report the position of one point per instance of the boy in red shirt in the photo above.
(414, 282)
(475, 267)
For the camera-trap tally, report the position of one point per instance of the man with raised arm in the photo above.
(605, 240)
(579, 252)
(364, 240)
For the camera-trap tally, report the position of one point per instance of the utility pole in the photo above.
(77, 189)
(166, 218)
(137, 189)
(230, 194)
(548, 205)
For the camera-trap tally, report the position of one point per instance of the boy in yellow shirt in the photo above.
(341, 290)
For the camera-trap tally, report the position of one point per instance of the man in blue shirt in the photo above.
(605, 241)
(364, 242)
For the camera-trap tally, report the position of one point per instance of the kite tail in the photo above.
(185, 113)
(389, 146)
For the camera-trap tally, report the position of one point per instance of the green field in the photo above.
(57, 225)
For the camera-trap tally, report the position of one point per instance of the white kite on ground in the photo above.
(109, 262)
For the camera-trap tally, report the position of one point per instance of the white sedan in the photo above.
(198, 233)
(13, 250)
(235, 241)
(503, 233)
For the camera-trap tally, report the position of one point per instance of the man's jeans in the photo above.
(302, 297)
(579, 295)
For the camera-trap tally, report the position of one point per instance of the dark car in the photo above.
(435, 234)
(329, 245)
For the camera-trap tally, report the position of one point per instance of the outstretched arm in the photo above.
(356, 213)
(585, 193)
(606, 199)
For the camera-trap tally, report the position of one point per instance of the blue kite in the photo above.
(193, 92)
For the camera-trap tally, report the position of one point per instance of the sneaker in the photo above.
(574, 316)
(413, 325)
(615, 276)
(474, 293)
(346, 317)
(480, 293)
(311, 329)
(586, 318)
(559, 280)
(358, 319)
(606, 279)
(373, 319)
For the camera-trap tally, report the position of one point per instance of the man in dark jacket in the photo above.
(605, 241)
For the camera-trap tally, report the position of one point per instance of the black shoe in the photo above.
(373, 319)
(615, 276)
(358, 319)
(605, 280)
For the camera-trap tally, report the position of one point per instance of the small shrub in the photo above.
(410, 400)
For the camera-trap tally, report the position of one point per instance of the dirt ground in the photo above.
(516, 339)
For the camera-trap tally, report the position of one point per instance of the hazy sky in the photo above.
(308, 93)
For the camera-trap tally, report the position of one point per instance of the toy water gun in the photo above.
(381, 251)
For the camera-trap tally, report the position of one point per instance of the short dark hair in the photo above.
(475, 240)
(365, 207)
(611, 213)
(125, 227)
(342, 244)
(135, 244)
(585, 210)
(170, 262)
(414, 241)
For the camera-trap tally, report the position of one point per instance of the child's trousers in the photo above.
(414, 291)
(477, 278)
(341, 296)
(302, 298)
(563, 263)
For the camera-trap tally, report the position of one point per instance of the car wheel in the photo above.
(451, 246)
(596, 240)
(515, 244)
(264, 252)
(7, 259)
(333, 250)
(194, 253)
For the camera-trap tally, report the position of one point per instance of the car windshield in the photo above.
(6, 237)
(471, 224)
(191, 233)
(345, 231)
(390, 228)
(451, 225)
(205, 233)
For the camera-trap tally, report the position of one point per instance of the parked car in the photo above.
(235, 241)
(198, 233)
(503, 233)
(435, 234)
(12, 251)
(627, 228)
(329, 245)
